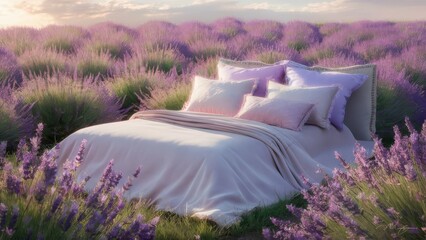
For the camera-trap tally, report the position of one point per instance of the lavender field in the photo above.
(72, 77)
(69, 77)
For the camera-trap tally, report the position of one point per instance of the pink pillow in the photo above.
(263, 74)
(278, 112)
(218, 97)
(346, 82)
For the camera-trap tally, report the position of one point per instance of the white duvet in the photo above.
(208, 166)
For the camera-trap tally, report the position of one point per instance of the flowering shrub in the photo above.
(228, 27)
(381, 197)
(67, 104)
(16, 120)
(301, 35)
(92, 64)
(10, 71)
(266, 31)
(18, 39)
(66, 39)
(171, 97)
(38, 202)
(161, 59)
(40, 61)
(133, 86)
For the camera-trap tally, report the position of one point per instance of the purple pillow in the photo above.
(346, 82)
(263, 74)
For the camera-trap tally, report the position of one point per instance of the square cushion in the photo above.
(218, 97)
(321, 97)
(278, 112)
(262, 72)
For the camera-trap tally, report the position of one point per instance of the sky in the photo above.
(39, 13)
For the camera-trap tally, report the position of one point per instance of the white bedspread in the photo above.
(208, 166)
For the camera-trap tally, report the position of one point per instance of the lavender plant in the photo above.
(158, 35)
(395, 89)
(63, 39)
(268, 32)
(39, 61)
(158, 59)
(16, 120)
(274, 54)
(380, 197)
(228, 27)
(301, 35)
(10, 71)
(206, 68)
(91, 64)
(66, 104)
(172, 96)
(18, 39)
(132, 84)
(40, 203)
(209, 48)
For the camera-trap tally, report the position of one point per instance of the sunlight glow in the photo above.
(11, 15)
(39, 13)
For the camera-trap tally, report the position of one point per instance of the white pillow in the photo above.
(218, 97)
(278, 112)
(360, 115)
(321, 97)
(347, 83)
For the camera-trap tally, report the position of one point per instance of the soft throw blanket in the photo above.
(282, 148)
(208, 166)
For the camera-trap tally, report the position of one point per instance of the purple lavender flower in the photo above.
(39, 191)
(79, 156)
(56, 203)
(94, 222)
(3, 215)
(137, 172)
(2, 154)
(13, 182)
(115, 232)
(10, 71)
(68, 216)
(27, 167)
(13, 218)
(300, 35)
(114, 212)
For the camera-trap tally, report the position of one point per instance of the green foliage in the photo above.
(298, 45)
(9, 129)
(387, 116)
(61, 45)
(40, 62)
(270, 56)
(172, 98)
(163, 60)
(94, 65)
(208, 68)
(64, 106)
(102, 47)
(129, 86)
(3, 75)
(319, 54)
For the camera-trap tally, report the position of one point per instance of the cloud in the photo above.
(327, 6)
(136, 12)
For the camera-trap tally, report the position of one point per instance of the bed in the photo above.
(208, 165)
